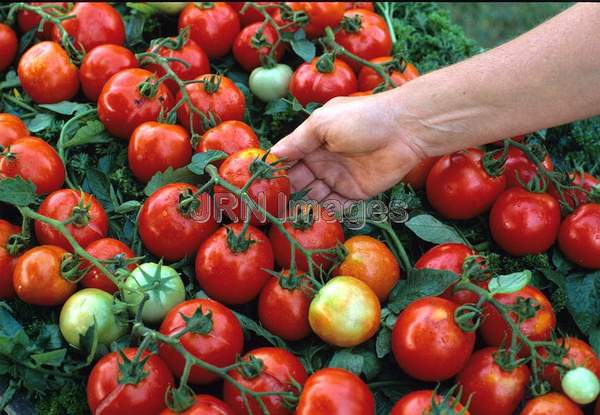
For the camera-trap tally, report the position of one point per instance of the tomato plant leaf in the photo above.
(346, 359)
(252, 326)
(51, 358)
(11, 80)
(160, 179)
(383, 342)
(583, 300)
(510, 283)
(420, 283)
(594, 339)
(93, 132)
(40, 122)
(302, 46)
(66, 107)
(203, 159)
(88, 343)
(432, 230)
(17, 192)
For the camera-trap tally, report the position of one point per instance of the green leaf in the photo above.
(432, 230)
(127, 207)
(161, 179)
(52, 358)
(17, 192)
(66, 107)
(383, 343)
(203, 159)
(88, 342)
(277, 107)
(40, 122)
(11, 80)
(420, 283)
(506, 284)
(93, 132)
(554, 276)
(583, 300)
(594, 339)
(346, 359)
(252, 326)
(8, 325)
(302, 46)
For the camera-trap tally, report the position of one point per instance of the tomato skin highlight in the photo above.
(36, 161)
(284, 311)
(161, 222)
(334, 391)
(523, 222)
(459, 188)
(47, 74)
(551, 404)
(577, 236)
(103, 249)
(122, 108)
(234, 277)
(279, 368)
(213, 28)
(11, 129)
(108, 397)
(37, 278)
(218, 347)
(7, 262)
(59, 205)
(419, 402)
(309, 85)
(345, 312)
(94, 24)
(427, 343)
(493, 391)
(100, 64)
(248, 56)
(8, 44)
(321, 14)
(154, 147)
(229, 136)
(203, 405)
(579, 354)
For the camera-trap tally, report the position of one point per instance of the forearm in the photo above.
(547, 77)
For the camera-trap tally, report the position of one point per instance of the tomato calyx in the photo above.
(239, 243)
(80, 214)
(304, 218)
(468, 317)
(176, 43)
(523, 308)
(493, 162)
(17, 243)
(298, 17)
(212, 84)
(188, 203)
(180, 399)
(204, 5)
(198, 323)
(250, 368)
(131, 372)
(261, 169)
(70, 268)
(449, 404)
(351, 24)
(326, 63)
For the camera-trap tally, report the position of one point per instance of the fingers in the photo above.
(299, 143)
(300, 176)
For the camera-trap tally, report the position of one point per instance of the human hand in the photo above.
(352, 148)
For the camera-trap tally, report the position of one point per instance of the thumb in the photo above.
(300, 142)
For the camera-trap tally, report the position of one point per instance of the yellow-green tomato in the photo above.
(581, 385)
(88, 307)
(168, 7)
(345, 312)
(162, 284)
(270, 84)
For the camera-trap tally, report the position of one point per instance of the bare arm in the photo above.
(357, 147)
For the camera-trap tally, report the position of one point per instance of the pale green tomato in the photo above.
(270, 84)
(163, 286)
(169, 7)
(345, 312)
(88, 307)
(581, 385)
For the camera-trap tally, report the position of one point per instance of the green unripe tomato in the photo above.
(88, 307)
(169, 7)
(163, 286)
(581, 385)
(270, 84)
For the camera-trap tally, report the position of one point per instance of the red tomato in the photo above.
(94, 24)
(27, 20)
(458, 187)
(248, 56)
(154, 147)
(213, 26)
(37, 277)
(203, 405)
(283, 306)
(121, 106)
(271, 193)
(219, 346)
(449, 257)
(367, 5)
(251, 15)
(551, 404)
(518, 165)
(372, 262)
(308, 84)
(492, 390)
(417, 177)
(7, 261)
(426, 341)
(334, 391)
(47, 74)
(577, 236)
(86, 227)
(419, 402)
(35, 160)
(191, 53)
(99, 64)
(106, 395)
(523, 222)
(369, 40)
(8, 44)
(579, 354)
(368, 79)
(572, 196)
(216, 95)
(164, 219)
(281, 370)
(494, 329)
(234, 274)
(322, 231)
(11, 128)
(229, 136)
(321, 14)
(106, 249)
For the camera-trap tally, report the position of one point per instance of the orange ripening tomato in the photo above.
(11, 128)
(369, 79)
(417, 177)
(321, 14)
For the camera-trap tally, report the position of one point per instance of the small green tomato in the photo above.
(169, 7)
(88, 307)
(270, 84)
(163, 286)
(581, 385)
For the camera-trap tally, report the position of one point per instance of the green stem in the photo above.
(387, 228)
